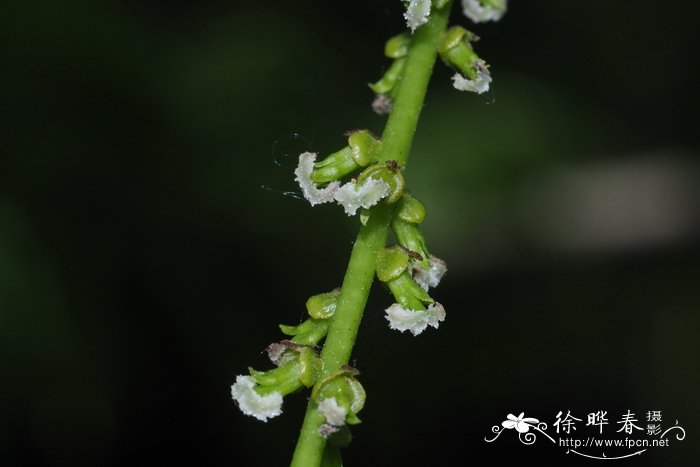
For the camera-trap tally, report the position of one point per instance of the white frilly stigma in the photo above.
(479, 85)
(253, 404)
(303, 177)
(479, 13)
(353, 197)
(431, 276)
(417, 13)
(334, 413)
(415, 321)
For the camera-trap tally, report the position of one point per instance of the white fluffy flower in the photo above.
(353, 197)
(415, 321)
(303, 176)
(431, 276)
(479, 85)
(417, 13)
(334, 413)
(253, 404)
(479, 13)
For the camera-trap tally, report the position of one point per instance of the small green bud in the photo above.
(388, 172)
(322, 306)
(364, 147)
(397, 46)
(391, 263)
(410, 209)
(439, 4)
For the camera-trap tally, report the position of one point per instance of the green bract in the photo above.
(397, 46)
(388, 172)
(391, 262)
(364, 147)
(323, 305)
(410, 209)
(346, 389)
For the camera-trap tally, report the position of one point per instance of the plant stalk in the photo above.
(396, 145)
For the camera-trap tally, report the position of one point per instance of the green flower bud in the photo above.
(410, 209)
(397, 46)
(439, 4)
(388, 172)
(364, 147)
(391, 262)
(322, 306)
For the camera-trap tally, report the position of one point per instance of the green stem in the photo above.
(397, 139)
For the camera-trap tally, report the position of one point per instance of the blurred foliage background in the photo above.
(149, 244)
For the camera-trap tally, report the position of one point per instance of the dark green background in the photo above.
(147, 251)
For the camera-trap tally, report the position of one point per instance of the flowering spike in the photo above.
(481, 11)
(404, 319)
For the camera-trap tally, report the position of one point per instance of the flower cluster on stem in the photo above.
(366, 176)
